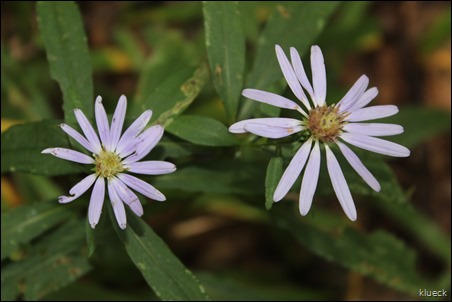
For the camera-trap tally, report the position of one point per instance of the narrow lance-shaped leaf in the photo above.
(201, 130)
(22, 145)
(21, 225)
(379, 255)
(293, 24)
(50, 264)
(163, 271)
(274, 173)
(62, 31)
(225, 43)
(174, 95)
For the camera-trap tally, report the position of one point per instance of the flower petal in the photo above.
(372, 113)
(376, 145)
(78, 190)
(118, 206)
(365, 99)
(69, 154)
(359, 167)
(354, 93)
(142, 187)
(292, 171)
(300, 72)
(281, 122)
(102, 123)
(373, 129)
(290, 76)
(270, 98)
(272, 130)
(310, 179)
(117, 122)
(318, 75)
(78, 137)
(133, 130)
(340, 185)
(88, 130)
(147, 141)
(152, 167)
(127, 195)
(96, 202)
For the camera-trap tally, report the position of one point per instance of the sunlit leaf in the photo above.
(62, 30)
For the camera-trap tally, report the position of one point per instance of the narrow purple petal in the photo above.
(372, 113)
(290, 76)
(365, 99)
(318, 75)
(376, 145)
(142, 187)
(282, 122)
(310, 179)
(78, 190)
(272, 131)
(102, 123)
(118, 121)
(78, 137)
(148, 140)
(133, 130)
(300, 72)
(359, 167)
(373, 129)
(340, 185)
(69, 154)
(88, 130)
(270, 98)
(354, 94)
(118, 206)
(96, 202)
(152, 167)
(130, 198)
(292, 171)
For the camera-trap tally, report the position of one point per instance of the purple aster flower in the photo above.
(335, 124)
(113, 156)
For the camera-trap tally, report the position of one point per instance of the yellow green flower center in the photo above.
(108, 164)
(326, 123)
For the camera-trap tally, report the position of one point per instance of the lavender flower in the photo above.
(334, 124)
(113, 156)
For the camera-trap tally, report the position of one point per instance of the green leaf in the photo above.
(217, 176)
(379, 255)
(225, 43)
(174, 94)
(201, 130)
(419, 123)
(274, 173)
(22, 145)
(62, 31)
(90, 238)
(293, 24)
(163, 271)
(52, 263)
(21, 225)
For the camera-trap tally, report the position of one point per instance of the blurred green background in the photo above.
(218, 225)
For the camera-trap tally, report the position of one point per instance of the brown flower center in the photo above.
(326, 123)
